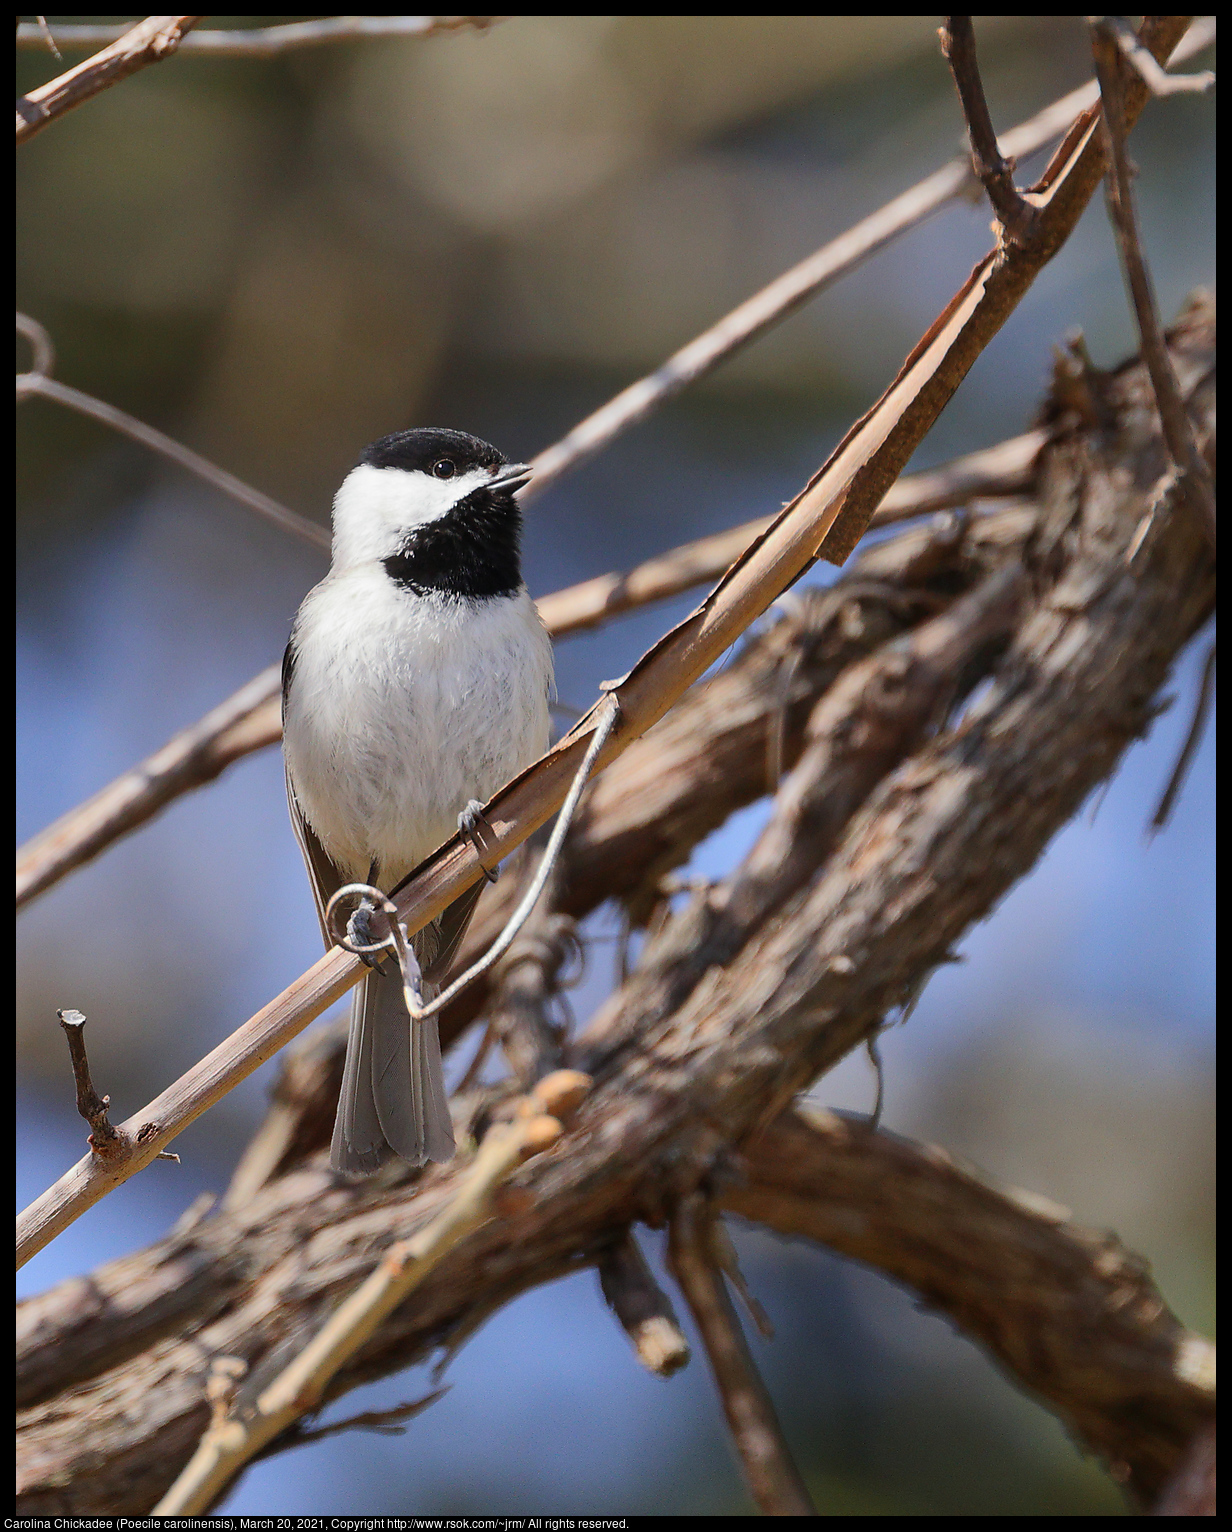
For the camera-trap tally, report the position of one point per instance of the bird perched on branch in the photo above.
(416, 682)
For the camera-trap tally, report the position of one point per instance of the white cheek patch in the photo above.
(376, 507)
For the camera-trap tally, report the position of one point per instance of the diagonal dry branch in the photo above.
(691, 1072)
(996, 174)
(825, 520)
(771, 1474)
(192, 758)
(149, 42)
(1178, 433)
(300, 1387)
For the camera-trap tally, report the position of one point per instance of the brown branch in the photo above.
(1069, 1313)
(1018, 218)
(1195, 477)
(45, 33)
(825, 520)
(1158, 81)
(149, 42)
(246, 721)
(771, 1474)
(931, 850)
(644, 1310)
(522, 990)
(266, 42)
(300, 1387)
(109, 1146)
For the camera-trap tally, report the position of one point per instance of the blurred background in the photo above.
(277, 261)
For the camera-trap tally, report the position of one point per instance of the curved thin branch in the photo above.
(1178, 433)
(1018, 217)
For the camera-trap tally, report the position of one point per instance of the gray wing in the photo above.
(323, 876)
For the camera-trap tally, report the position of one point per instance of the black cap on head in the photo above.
(421, 449)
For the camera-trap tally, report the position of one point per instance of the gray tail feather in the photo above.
(393, 1097)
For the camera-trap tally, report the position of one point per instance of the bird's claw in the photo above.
(473, 823)
(361, 933)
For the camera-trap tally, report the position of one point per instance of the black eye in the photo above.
(445, 469)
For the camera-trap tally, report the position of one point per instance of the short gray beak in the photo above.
(511, 476)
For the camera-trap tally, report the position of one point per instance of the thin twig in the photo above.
(1018, 218)
(830, 514)
(380, 1422)
(644, 1310)
(30, 384)
(107, 1142)
(1177, 432)
(265, 42)
(230, 1443)
(104, 1139)
(1157, 79)
(149, 42)
(1197, 727)
(773, 1478)
(45, 33)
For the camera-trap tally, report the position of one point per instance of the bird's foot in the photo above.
(363, 930)
(473, 823)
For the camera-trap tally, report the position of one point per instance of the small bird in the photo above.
(417, 681)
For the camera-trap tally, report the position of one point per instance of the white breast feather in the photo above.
(402, 708)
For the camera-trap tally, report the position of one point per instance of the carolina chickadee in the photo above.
(416, 683)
